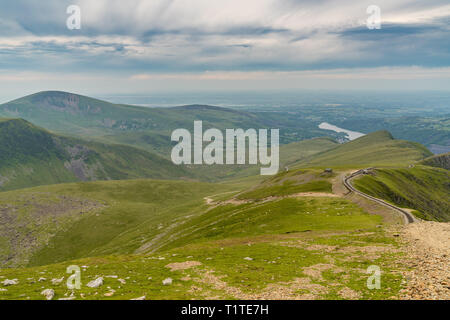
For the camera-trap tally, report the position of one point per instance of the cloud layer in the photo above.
(139, 39)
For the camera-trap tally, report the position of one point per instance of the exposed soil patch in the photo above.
(298, 289)
(315, 271)
(234, 201)
(183, 265)
(349, 294)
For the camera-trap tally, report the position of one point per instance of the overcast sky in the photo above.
(138, 46)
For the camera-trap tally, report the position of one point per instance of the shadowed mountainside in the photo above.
(32, 156)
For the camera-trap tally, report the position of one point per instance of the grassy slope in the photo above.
(424, 189)
(440, 161)
(283, 237)
(375, 149)
(290, 154)
(169, 221)
(295, 152)
(32, 156)
(147, 128)
(127, 214)
(290, 182)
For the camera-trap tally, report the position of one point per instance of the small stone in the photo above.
(48, 294)
(167, 281)
(140, 298)
(9, 282)
(57, 281)
(122, 281)
(109, 294)
(248, 258)
(96, 283)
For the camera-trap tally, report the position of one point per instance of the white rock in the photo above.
(3, 290)
(42, 279)
(140, 298)
(57, 281)
(68, 298)
(48, 294)
(96, 283)
(9, 282)
(167, 281)
(248, 258)
(122, 281)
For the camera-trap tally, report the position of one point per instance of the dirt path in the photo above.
(428, 254)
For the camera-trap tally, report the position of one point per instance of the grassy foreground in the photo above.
(143, 232)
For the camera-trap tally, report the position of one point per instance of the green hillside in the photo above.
(146, 231)
(290, 154)
(293, 235)
(425, 189)
(374, 149)
(146, 128)
(291, 182)
(32, 156)
(60, 222)
(295, 152)
(440, 161)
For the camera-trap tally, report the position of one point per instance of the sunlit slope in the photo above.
(425, 189)
(375, 149)
(295, 152)
(60, 222)
(210, 249)
(289, 155)
(32, 156)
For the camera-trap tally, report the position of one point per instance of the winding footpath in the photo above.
(409, 218)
